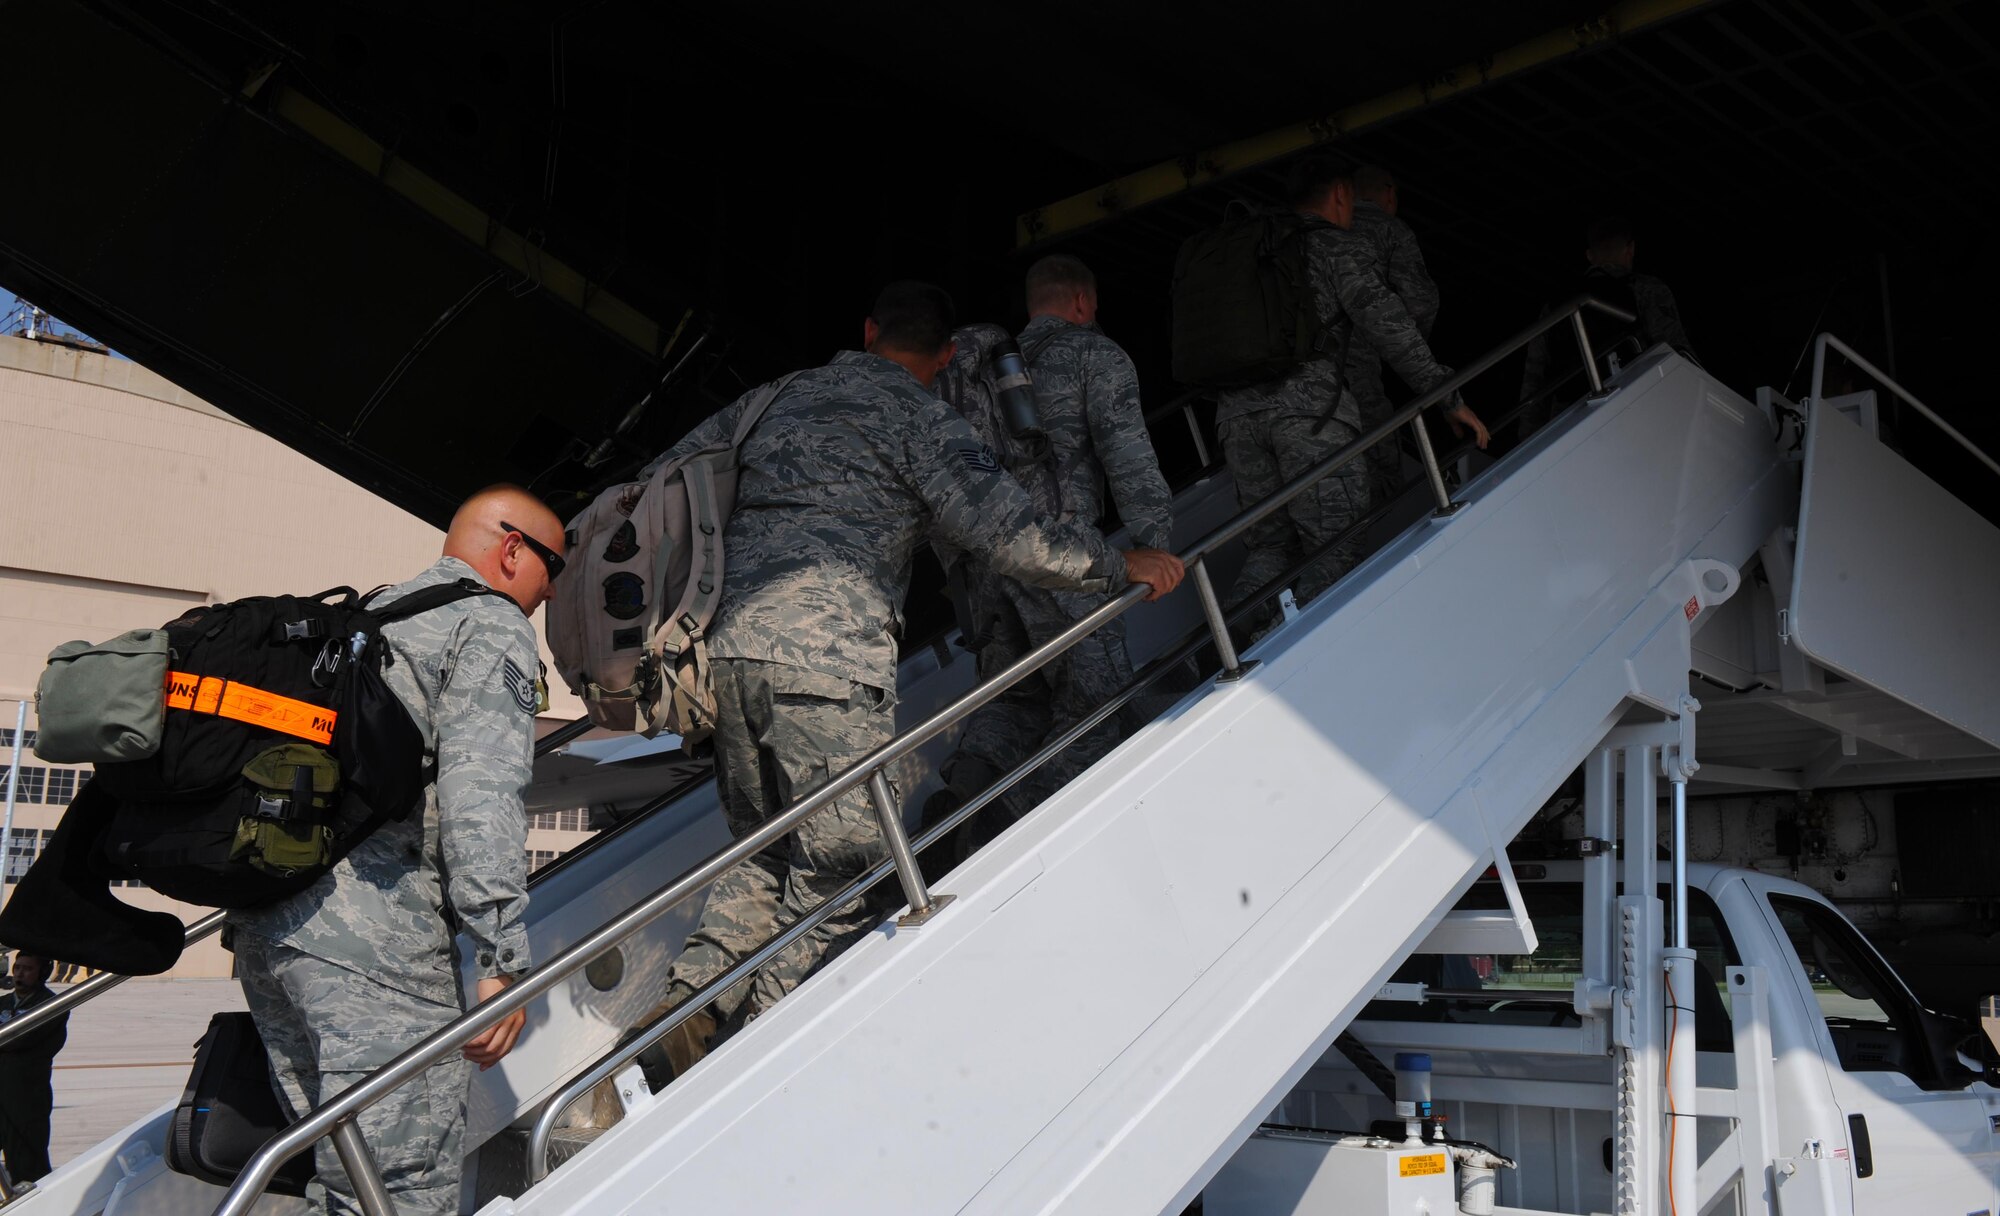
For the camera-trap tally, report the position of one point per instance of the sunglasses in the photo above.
(551, 560)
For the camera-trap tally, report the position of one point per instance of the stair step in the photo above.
(567, 1142)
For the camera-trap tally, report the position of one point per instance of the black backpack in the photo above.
(1244, 310)
(229, 1110)
(284, 747)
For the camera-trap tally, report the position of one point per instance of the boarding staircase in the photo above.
(1126, 982)
(1094, 1011)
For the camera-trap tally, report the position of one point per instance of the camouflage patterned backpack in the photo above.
(629, 628)
(969, 384)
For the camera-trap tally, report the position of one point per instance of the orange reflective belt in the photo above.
(242, 703)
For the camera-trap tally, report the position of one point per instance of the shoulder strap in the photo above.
(427, 599)
(753, 410)
(1030, 353)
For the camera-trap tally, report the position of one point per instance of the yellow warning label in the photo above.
(1418, 1167)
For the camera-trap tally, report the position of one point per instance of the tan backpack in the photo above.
(629, 626)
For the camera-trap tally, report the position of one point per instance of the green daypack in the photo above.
(1244, 309)
(102, 703)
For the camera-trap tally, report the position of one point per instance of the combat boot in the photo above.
(687, 1043)
(965, 777)
(679, 1051)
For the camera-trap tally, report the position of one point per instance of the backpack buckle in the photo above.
(281, 806)
(304, 631)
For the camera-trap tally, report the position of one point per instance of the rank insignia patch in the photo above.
(520, 686)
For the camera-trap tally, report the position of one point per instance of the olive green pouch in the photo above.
(103, 703)
(281, 836)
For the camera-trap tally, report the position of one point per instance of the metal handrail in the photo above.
(207, 926)
(96, 985)
(1853, 356)
(336, 1117)
(568, 732)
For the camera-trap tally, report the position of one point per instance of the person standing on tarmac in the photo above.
(1385, 242)
(853, 464)
(1274, 431)
(27, 1099)
(345, 975)
(1087, 392)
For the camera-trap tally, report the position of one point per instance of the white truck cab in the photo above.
(1869, 1104)
(1897, 1091)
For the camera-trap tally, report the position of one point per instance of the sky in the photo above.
(8, 303)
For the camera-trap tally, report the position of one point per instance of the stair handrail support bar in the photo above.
(323, 1120)
(78, 994)
(1826, 340)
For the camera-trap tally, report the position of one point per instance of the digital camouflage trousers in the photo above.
(783, 732)
(1012, 619)
(325, 1028)
(1385, 459)
(1266, 450)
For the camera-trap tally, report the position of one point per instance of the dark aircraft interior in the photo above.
(439, 244)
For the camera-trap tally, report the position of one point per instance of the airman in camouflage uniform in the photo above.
(344, 976)
(1274, 431)
(853, 464)
(26, 1064)
(1553, 357)
(1087, 392)
(1386, 243)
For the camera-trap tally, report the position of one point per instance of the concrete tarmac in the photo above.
(128, 1055)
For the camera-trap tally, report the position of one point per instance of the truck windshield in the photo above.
(1871, 1022)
